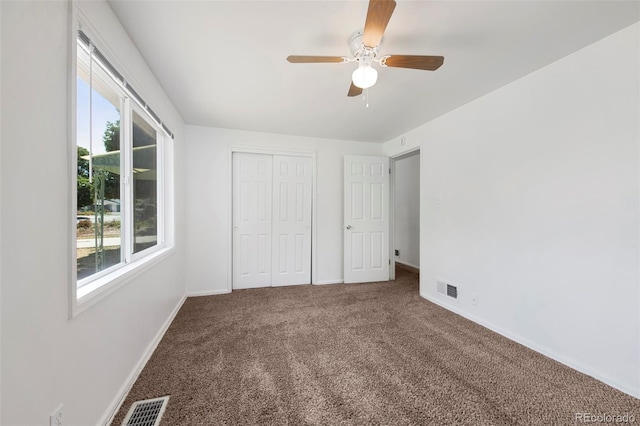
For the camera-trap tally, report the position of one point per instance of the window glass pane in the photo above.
(145, 184)
(98, 190)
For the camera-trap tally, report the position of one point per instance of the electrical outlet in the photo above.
(55, 419)
(474, 299)
(397, 252)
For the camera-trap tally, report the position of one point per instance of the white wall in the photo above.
(208, 189)
(530, 199)
(407, 210)
(48, 359)
(1, 244)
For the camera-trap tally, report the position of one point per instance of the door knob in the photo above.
(348, 226)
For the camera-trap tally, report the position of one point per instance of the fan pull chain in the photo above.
(366, 97)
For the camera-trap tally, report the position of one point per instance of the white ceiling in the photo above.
(223, 64)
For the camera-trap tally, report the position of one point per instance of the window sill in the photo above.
(90, 294)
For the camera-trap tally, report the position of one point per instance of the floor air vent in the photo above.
(146, 413)
(448, 289)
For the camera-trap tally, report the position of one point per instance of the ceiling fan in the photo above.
(364, 48)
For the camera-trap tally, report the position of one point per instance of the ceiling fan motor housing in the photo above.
(359, 50)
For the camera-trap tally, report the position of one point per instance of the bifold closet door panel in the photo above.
(252, 220)
(291, 230)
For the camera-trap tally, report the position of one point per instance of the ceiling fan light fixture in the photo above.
(365, 76)
(364, 46)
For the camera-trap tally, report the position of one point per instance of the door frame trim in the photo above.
(267, 151)
(416, 150)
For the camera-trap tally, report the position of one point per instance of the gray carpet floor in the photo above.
(355, 354)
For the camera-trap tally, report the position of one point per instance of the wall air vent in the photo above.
(447, 289)
(146, 413)
(452, 291)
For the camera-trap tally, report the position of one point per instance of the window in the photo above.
(120, 172)
(145, 184)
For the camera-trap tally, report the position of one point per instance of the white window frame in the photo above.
(130, 256)
(99, 285)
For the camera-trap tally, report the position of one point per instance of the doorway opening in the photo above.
(405, 213)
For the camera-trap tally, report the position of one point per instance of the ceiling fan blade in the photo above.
(416, 62)
(354, 90)
(378, 16)
(314, 59)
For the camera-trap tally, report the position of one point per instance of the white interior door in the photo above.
(291, 230)
(271, 220)
(252, 198)
(366, 219)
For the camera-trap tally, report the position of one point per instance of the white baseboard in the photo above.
(208, 293)
(407, 264)
(324, 282)
(115, 405)
(605, 378)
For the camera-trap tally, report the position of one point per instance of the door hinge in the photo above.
(389, 261)
(389, 170)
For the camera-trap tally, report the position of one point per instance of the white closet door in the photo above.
(366, 219)
(252, 197)
(291, 242)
